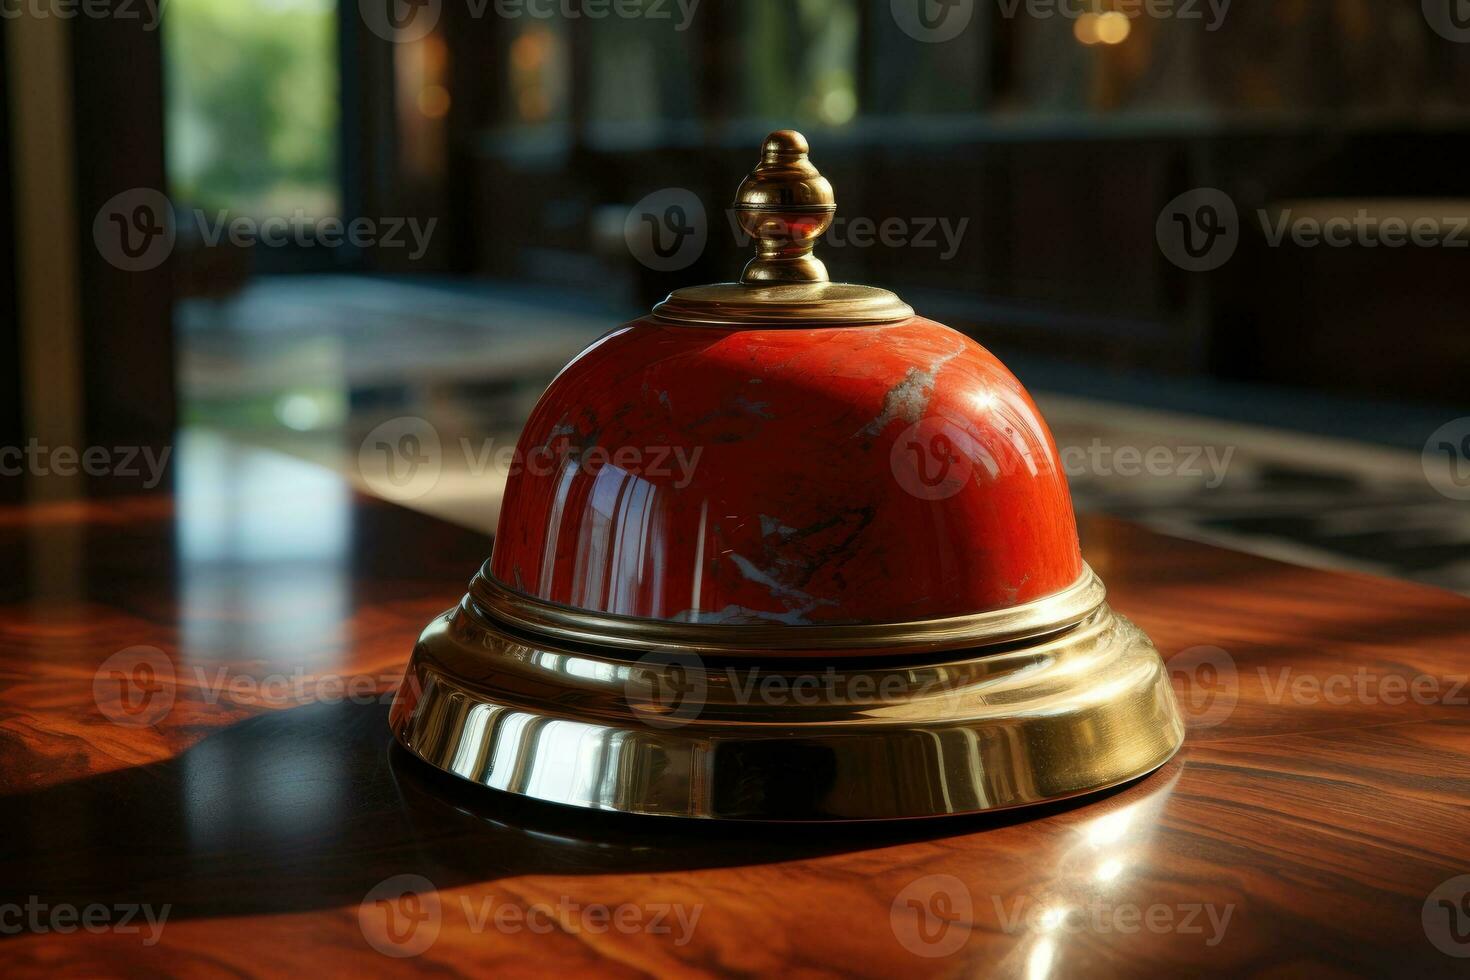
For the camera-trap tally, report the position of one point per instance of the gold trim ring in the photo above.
(793, 304)
(673, 734)
(493, 600)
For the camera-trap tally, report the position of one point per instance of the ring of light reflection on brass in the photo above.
(499, 602)
(672, 733)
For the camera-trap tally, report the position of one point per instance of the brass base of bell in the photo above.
(674, 734)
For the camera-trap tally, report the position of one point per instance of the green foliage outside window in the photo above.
(252, 96)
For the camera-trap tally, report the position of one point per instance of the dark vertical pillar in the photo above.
(476, 80)
(352, 171)
(12, 404)
(127, 338)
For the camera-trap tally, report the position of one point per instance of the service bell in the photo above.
(784, 550)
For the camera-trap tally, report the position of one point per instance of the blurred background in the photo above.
(295, 221)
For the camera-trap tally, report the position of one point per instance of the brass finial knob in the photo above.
(786, 205)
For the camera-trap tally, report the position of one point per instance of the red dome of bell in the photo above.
(847, 474)
(786, 450)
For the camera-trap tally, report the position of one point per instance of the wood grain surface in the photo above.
(198, 780)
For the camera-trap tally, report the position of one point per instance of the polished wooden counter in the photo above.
(198, 779)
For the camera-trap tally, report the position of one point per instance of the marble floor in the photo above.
(314, 365)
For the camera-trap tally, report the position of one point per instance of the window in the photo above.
(253, 105)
